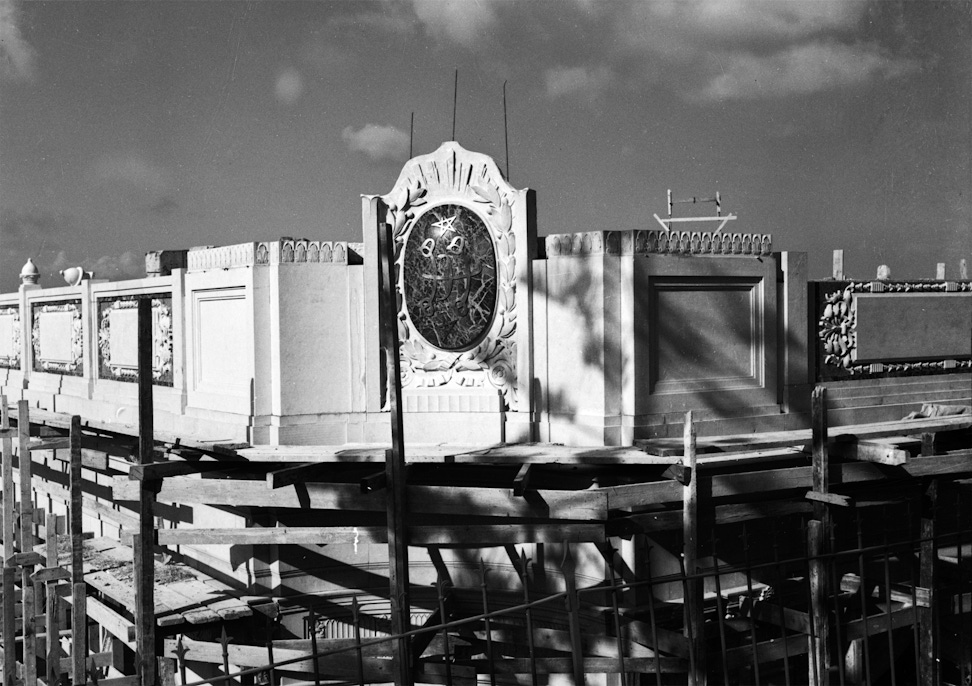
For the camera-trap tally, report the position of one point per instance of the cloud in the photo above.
(17, 57)
(289, 86)
(586, 82)
(134, 171)
(128, 265)
(378, 142)
(165, 206)
(802, 69)
(712, 49)
(463, 22)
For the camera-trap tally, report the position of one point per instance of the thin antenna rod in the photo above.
(455, 98)
(411, 135)
(506, 134)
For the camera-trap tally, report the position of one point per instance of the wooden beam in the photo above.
(829, 499)
(587, 505)
(9, 626)
(79, 633)
(694, 587)
(521, 482)
(8, 502)
(289, 476)
(875, 450)
(396, 501)
(144, 562)
(156, 471)
(927, 657)
(27, 543)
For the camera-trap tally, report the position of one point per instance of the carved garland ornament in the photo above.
(73, 367)
(462, 186)
(837, 328)
(161, 340)
(12, 361)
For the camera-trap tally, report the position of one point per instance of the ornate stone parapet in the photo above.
(162, 262)
(650, 241)
(118, 339)
(263, 253)
(882, 327)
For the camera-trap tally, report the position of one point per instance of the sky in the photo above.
(134, 126)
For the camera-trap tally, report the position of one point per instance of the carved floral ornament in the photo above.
(455, 189)
(838, 327)
(161, 340)
(74, 366)
(12, 361)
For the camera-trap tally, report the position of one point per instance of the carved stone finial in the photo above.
(73, 276)
(30, 274)
(884, 273)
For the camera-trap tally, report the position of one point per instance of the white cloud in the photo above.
(586, 82)
(16, 54)
(463, 21)
(289, 86)
(802, 69)
(377, 142)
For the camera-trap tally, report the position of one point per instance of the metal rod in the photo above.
(860, 568)
(441, 587)
(455, 100)
(749, 589)
(506, 134)
(524, 582)
(312, 629)
(720, 608)
(356, 620)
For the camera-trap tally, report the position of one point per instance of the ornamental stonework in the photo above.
(449, 277)
(452, 218)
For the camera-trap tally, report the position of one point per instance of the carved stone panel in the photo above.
(57, 337)
(452, 215)
(10, 337)
(118, 339)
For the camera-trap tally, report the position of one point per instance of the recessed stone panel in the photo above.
(913, 326)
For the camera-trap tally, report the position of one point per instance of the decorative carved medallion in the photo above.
(457, 312)
(11, 360)
(450, 277)
(74, 365)
(161, 340)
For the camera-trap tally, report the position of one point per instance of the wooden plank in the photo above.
(60, 443)
(766, 651)
(8, 502)
(694, 587)
(26, 559)
(803, 437)
(49, 574)
(29, 632)
(112, 622)
(829, 499)
(546, 453)
(590, 665)
(819, 610)
(79, 635)
(878, 624)
(9, 626)
(521, 482)
(881, 451)
(927, 659)
(99, 660)
(588, 505)
(288, 476)
(162, 470)
(397, 498)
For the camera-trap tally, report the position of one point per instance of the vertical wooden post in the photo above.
(79, 612)
(818, 531)
(51, 610)
(9, 626)
(144, 564)
(572, 605)
(928, 665)
(27, 543)
(395, 462)
(694, 628)
(9, 497)
(838, 265)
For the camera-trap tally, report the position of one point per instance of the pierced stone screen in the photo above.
(450, 277)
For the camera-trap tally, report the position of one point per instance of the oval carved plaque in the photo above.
(449, 277)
